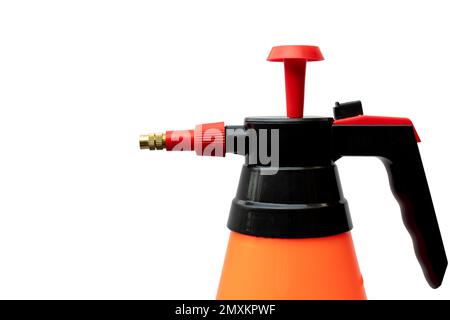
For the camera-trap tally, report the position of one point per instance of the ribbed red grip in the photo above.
(209, 139)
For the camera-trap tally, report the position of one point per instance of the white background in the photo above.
(85, 214)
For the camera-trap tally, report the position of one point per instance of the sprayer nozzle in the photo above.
(153, 141)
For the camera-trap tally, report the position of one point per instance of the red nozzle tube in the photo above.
(206, 140)
(180, 138)
(294, 59)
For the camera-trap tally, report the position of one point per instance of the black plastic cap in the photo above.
(347, 109)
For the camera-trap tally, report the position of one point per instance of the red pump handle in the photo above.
(394, 141)
(377, 121)
(294, 59)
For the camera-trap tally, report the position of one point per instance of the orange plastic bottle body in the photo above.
(268, 268)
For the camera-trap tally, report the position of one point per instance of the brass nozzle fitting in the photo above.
(153, 141)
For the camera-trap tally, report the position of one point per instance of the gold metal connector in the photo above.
(153, 141)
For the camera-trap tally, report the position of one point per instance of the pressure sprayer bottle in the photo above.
(290, 223)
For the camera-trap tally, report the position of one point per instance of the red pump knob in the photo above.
(295, 58)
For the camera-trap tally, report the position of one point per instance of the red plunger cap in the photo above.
(295, 58)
